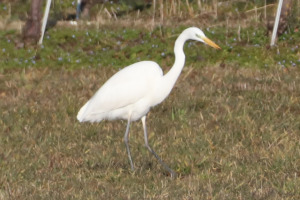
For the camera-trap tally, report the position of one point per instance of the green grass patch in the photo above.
(118, 47)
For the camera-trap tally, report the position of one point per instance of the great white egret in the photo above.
(131, 92)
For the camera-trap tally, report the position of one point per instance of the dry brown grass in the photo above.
(230, 133)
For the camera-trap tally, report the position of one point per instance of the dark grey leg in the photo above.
(173, 174)
(126, 143)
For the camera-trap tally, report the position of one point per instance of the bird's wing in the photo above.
(124, 88)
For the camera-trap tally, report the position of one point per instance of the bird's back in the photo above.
(124, 92)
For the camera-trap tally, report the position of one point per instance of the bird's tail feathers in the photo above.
(80, 115)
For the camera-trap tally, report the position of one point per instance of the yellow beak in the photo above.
(210, 43)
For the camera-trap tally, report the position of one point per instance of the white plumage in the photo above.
(131, 92)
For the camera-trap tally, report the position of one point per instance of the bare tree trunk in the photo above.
(32, 29)
(86, 6)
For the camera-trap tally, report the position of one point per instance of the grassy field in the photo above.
(229, 133)
(230, 128)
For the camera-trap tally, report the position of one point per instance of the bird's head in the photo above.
(194, 33)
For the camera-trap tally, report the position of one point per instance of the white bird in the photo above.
(131, 92)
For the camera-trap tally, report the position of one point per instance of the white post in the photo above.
(78, 9)
(275, 27)
(45, 19)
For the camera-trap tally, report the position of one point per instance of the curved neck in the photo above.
(171, 77)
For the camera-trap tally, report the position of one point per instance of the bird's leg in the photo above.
(126, 143)
(173, 174)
